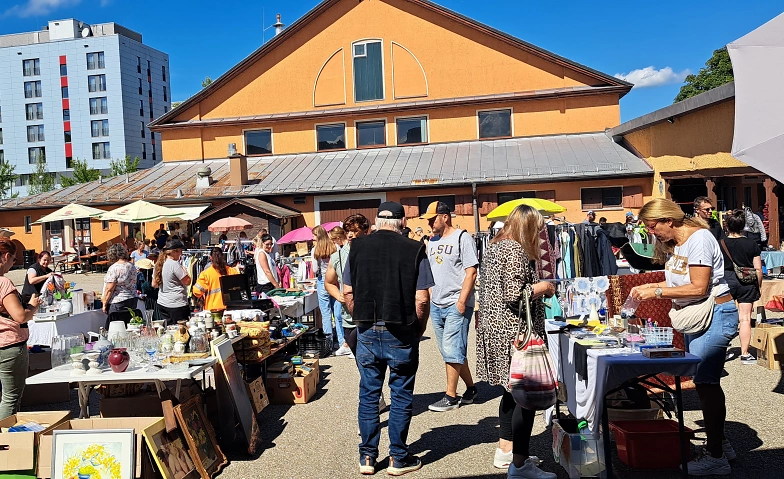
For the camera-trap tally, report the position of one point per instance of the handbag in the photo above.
(694, 318)
(531, 374)
(745, 274)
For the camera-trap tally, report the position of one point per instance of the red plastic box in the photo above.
(649, 444)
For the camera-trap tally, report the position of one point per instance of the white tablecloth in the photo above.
(297, 306)
(42, 332)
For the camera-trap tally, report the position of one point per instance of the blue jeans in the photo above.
(378, 349)
(711, 345)
(330, 307)
(451, 330)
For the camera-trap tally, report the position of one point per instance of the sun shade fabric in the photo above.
(139, 211)
(70, 212)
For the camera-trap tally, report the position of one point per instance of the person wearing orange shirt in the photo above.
(208, 284)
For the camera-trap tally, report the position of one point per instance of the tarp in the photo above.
(758, 66)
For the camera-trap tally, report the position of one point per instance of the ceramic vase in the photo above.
(119, 359)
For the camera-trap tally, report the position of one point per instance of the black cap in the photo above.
(174, 244)
(391, 210)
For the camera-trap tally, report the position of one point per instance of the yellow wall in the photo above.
(695, 141)
(426, 56)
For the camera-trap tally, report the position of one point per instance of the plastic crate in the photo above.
(315, 343)
(581, 456)
(659, 335)
(649, 444)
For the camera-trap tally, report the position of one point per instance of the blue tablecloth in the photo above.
(773, 259)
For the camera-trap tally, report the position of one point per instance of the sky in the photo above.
(652, 44)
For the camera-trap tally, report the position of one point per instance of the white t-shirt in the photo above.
(700, 249)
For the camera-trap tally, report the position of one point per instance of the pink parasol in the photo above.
(304, 234)
(230, 224)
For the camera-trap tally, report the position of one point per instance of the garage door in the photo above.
(339, 210)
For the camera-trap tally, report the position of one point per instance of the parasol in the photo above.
(304, 234)
(546, 207)
(141, 211)
(230, 223)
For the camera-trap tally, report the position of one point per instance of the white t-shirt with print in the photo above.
(700, 249)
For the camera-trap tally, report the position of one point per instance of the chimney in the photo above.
(278, 26)
(238, 167)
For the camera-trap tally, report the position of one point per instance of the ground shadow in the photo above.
(274, 423)
(442, 441)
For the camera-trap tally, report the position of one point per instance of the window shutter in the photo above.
(487, 203)
(411, 206)
(632, 196)
(546, 195)
(464, 205)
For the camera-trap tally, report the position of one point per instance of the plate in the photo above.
(200, 362)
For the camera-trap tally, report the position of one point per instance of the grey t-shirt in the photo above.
(448, 261)
(171, 292)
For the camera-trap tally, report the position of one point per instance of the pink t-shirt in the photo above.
(10, 330)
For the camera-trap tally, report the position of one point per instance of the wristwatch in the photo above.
(658, 293)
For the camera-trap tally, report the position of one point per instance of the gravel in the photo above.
(319, 439)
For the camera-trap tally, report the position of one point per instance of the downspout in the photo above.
(476, 209)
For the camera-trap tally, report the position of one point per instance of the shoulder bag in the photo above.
(531, 374)
(694, 318)
(745, 274)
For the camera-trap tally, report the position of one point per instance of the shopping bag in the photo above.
(531, 374)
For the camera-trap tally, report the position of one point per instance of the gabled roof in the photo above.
(712, 97)
(326, 4)
(265, 207)
(516, 160)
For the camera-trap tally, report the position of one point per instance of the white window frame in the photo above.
(370, 120)
(511, 123)
(409, 117)
(345, 134)
(365, 41)
(272, 141)
(317, 200)
(611, 208)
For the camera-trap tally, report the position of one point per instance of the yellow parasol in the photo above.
(546, 207)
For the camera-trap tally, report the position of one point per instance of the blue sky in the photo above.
(206, 38)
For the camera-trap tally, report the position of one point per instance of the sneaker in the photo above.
(409, 464)
(367, 466)
(382, 404)
(747, 359)
(729, 356)
(469, 395)
(502, 459)
(529, 471)
(729, 452)
(708, 465)
(343, 351)
(445, 404)
(351, 355)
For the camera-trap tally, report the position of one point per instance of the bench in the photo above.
(99, 264)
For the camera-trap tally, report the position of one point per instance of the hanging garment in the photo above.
(590, 255)
(552, 307)
(545, 267)
(606, 257)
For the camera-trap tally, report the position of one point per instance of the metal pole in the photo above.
(476, 209)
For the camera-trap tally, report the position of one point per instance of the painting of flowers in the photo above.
(89, 454)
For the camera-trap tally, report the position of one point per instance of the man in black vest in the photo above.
(386, 281)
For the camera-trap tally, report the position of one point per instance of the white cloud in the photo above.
(649, 76)
(34, 8)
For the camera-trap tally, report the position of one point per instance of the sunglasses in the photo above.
(267, 244)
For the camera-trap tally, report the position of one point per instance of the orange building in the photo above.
(360, 102)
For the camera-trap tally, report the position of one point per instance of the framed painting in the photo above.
(170, 452)
(93, 454)
(200, 436)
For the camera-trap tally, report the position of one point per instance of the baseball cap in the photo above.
(630, 214)
(174, 244)
(391, 210)
(436, 208)
(590, 212)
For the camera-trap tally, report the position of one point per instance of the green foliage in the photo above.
(7, 178)
(717, 72)
(127, 165)
(82, 173)
(206, 82)
(176, 104)
(41, 180)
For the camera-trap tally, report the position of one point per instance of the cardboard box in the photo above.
(21, 445)
(37, 394)
(769, 342)
(287, 389)
(40, 361)
(258, 395)
(137, 424)
(142, 405)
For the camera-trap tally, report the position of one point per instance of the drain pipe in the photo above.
(476, 209)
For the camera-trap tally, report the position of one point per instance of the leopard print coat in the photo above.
(505, 271)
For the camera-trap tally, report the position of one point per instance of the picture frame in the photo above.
(198, 432)
(87, 453)
(170, 452)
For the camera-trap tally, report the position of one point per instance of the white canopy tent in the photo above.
(758, 66)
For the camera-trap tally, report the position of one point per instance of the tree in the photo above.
(717, 72)
(82, 173)
(176, 104)
(7, 178)
(41, 180)
(206, 82)
(128, 165)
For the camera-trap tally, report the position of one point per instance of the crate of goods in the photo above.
(315, 343)
(649, 444)
(582, 455)
(657, 335)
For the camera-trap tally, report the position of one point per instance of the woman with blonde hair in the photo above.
(694, 273)
(508, 269)
(323, 247)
